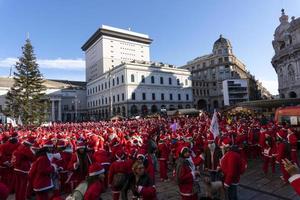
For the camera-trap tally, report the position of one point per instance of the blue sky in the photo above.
(181, 30)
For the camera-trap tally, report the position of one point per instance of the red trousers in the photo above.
(116, 194)
(294, 157)
(163, 169)
(42, 196)
(268, 161)
(194, 197)
(21, 185)
(8, 178)
(285, 174)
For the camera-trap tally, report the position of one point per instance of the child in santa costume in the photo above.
(186, 174)
(95, 181)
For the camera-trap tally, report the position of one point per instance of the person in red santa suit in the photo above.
(65, 150)
(118, 172)
(269, 154)
(233, 166)
(292, 140)
(148, 163)
(79, 165)
(186, 174)
(6, 151)
(22, 159)
(283, 152)
(95, 181)
(163, 157)
(41, 171)
(140, 184)
(212, 156)
(293, 171)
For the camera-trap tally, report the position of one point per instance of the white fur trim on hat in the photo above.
(97, 172)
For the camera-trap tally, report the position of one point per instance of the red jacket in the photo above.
(163, 151)
(185, 179)
(6, 152)
(22, 159)
(119, 166)
(94, 191)
(40, 174)
(295, 182)
(233, 166)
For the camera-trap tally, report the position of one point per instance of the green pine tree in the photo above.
(26, 98)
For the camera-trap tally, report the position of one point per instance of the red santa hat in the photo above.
(226, 142)
(141, 153)
(183, 148)
(210, 137)
(30, 140)
(48, 144)
(282, 134)
(61, 144)
(96, 169)
(80, 145)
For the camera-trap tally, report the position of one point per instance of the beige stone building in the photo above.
(286, 60)
(209, 71)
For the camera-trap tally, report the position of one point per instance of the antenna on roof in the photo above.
(27, 36)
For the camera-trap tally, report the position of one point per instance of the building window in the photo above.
(105, 100)
(102, 86)
(122, 78)
(105, 85)
(171, 97)
(143, 79)
(118, 98)
(178, 82)
(162, 97)
(132, 78)
(170, 81)
(220, 60)
(187, 97)
(204, 64)
(152, 79)
(186, 82)
(113, 82)
(133, 96)
(93, 90)
(179, 97)
(153, 96)
(117, 80)
(66, 107)
(114, 99)
(161, 80)
(123, 97)
(102, 101)
(144, 96)
(212, 62)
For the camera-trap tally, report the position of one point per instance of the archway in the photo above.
(216, 104)
(133, 110)
(293, 94)
(153, 108)
(144, 110)
(202, 104)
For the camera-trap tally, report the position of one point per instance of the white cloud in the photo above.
(271, 85)
(59, 63)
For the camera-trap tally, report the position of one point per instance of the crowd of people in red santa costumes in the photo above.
(90, 158)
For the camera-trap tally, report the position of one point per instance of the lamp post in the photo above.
(76, 102)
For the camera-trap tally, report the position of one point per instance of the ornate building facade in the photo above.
(209, 72)
(286, 60)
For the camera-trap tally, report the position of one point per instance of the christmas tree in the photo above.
(26, 98)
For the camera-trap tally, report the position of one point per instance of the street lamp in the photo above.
(76, 102)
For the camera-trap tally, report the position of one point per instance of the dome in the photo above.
(222, 44)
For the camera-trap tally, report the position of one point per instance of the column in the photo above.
(59, 110)
(53, 111)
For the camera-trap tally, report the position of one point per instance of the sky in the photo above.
(181, 30)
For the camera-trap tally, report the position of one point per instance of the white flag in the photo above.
(214, 125)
